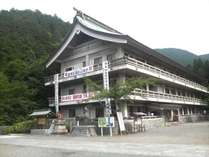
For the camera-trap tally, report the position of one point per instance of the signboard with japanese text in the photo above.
(106, 85)
(77, 97)
(56, 91)
(79, 72)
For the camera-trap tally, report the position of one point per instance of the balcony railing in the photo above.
(62, 77)
(137, 94)
(148, 95)
(157, 71)
(139, 66)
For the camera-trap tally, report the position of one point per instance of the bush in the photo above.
(22, 127)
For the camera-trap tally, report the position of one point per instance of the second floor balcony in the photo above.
(131, 64)
(137, 94)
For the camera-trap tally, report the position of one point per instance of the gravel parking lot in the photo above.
(185, 140)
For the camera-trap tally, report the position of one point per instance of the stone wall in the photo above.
(2, 128)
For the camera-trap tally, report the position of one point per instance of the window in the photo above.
(167, 90)
(71, 91)
(84, 88)
(71, 112)
(109, 58)
(99, 112)
(84, 63)
(69, 69)
(98, 60)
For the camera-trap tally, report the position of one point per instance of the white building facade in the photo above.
(88, 44)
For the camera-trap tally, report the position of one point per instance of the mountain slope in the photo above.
(26, 40)
(181, 56)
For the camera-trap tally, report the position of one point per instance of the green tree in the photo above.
(120, 91)
(27, 39)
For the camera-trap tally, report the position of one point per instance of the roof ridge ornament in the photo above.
(79, 13)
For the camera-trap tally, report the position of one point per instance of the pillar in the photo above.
(178, 112)
(171, 118)
(191, 111)
(87, 60)
(182, 111)
(176, 91)
(147, 87)
(188, 113)
(124, 109)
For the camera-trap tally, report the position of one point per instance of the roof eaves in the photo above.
(163, 58)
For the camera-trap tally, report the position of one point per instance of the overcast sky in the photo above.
(156, 23)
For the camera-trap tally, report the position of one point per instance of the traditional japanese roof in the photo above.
(93, 28)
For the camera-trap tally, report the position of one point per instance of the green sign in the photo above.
(102, 122)
(106, 122)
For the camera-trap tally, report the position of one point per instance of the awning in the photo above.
(40, 113)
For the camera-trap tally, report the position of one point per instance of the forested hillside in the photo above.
(182, 56)
(26, 40)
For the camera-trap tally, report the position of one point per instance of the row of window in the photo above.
(97, 61)
(99, 112)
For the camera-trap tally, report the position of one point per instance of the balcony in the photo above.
(137, 94)
(133, 64)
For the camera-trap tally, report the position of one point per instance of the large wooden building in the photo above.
(89, 43)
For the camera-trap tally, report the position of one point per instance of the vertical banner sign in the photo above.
(107, 87)
(56, 92)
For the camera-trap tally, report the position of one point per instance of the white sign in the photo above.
(56, 92)
(77, 97)
(105, 75)
(78, 72)
(120, 121)
(106, 85)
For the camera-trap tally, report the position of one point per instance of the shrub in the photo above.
(22, 127)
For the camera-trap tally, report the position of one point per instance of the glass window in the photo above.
(167, 90)
(99, 112)
(69, 69)
(84, 63)
(72, 112)
(98, 60)
(109, 58)
(84, 88)
(71, 91)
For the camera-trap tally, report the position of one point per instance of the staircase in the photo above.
(84, 131)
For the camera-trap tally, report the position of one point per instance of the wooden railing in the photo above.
(141, 65)
(159, 95)
(157, 71)
(148, 95)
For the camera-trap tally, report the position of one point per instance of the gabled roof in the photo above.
(91, 27)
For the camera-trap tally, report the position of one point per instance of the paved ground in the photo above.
(184, 140)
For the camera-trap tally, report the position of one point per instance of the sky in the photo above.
(180, 24)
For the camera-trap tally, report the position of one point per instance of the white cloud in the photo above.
(156, 23)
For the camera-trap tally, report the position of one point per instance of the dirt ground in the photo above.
(183, 140)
